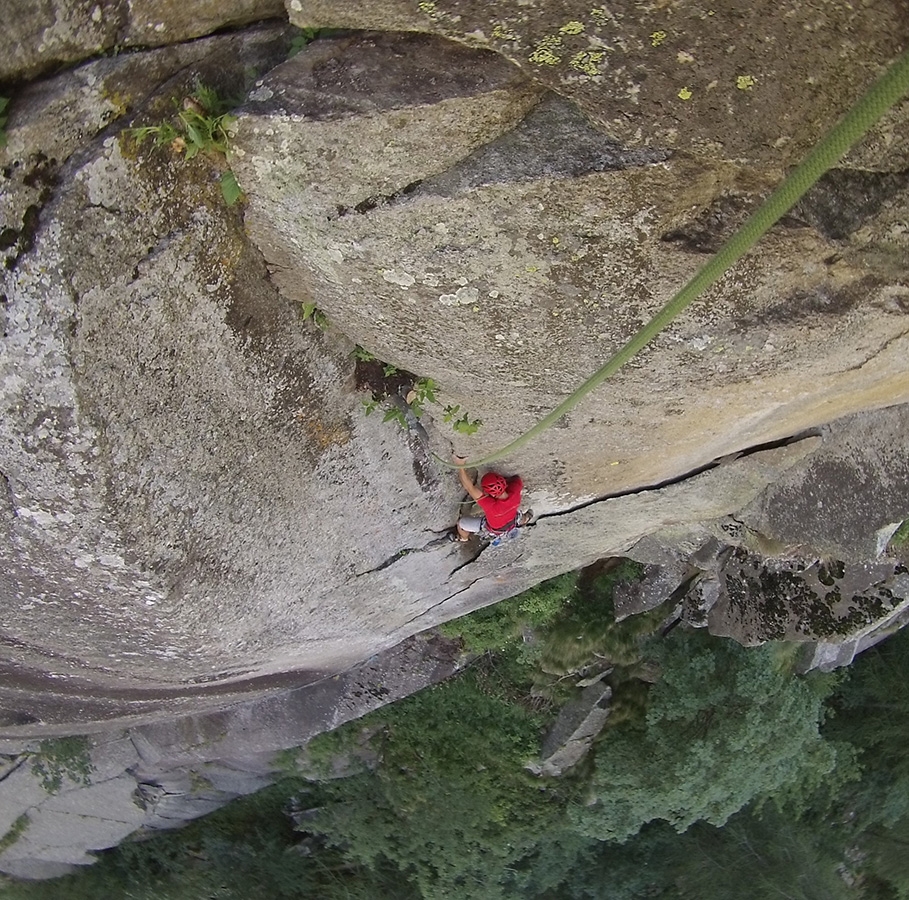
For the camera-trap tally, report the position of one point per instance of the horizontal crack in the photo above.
(429, 609)
(713, 464)
(374, 202)
(879, 351)
(406, 551)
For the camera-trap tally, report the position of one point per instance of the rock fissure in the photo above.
(12, 767)
(374, 202)
(879, 351)
(650, 488)
(445, 600)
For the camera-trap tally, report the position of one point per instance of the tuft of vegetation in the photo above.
(362, 354)
(59, 758)
(302, 37)
(387, 381)
(312, 313)
(202, 126)
(17, 829)
(900, 538)
(460, 421)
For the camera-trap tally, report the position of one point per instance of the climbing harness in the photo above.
(883, 94)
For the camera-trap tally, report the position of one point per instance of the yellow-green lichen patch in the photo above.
(599, 16)
(587, 62)
(685, 94)
(546, 52)
(745, 82)
(574, 27)
(657, 38)
(503, 33)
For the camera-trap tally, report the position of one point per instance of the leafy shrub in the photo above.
(724, 726)
(57, 758)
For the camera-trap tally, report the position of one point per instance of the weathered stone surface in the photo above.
(51, 119)
(233, 781)
(50, 837)
(268, 399)
(112, 800)
(790, 599)
(20, 790)
(38, 869)
(763, 79)
(806, 559)
(38, 36)
(841, 501)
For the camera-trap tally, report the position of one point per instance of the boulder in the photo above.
(579, 723)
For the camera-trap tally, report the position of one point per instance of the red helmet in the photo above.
(493, 484)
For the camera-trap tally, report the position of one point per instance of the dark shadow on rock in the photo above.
(554, 140)
(843, 200)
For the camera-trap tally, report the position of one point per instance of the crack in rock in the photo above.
(875, 353)
(658, 486)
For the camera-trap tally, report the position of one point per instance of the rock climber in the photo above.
(499, 498)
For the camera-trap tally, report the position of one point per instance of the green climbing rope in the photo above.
(867, 110)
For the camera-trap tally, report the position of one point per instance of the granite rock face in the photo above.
(758, 81)
(40, 36)
(56, 808)
(514, 257)
(194, 498)
(196, 509)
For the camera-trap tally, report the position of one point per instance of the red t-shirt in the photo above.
(499, 512)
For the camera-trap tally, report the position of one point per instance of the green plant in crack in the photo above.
(59, 757)
(423, 392)
(901, 536)
(460, 421)
(386, 380)
(202, 125)
(362, 354)
(305, 36)
(312, 313)
(396, 414)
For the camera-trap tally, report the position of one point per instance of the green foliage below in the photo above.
(810, 776)
(68, 757)
(500, 626)
(451, 803)
(724, 726)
